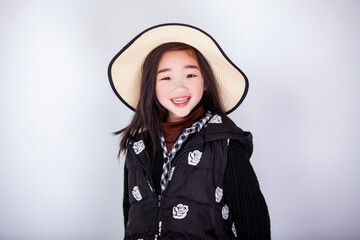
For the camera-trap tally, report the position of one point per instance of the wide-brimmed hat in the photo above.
(125, 68)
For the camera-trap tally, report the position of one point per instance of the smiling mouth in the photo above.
(180, 100)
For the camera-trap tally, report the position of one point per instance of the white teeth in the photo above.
(180, 100)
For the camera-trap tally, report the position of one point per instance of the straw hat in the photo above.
(125, 68)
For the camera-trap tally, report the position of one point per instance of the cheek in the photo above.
(157, 93)
(200, 87)
(160, 92)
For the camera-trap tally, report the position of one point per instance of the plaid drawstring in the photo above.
(168, 156)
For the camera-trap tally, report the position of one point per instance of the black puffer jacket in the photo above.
(192, 206)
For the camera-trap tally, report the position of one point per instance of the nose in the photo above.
(180, 85)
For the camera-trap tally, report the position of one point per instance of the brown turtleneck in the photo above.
(172, 130)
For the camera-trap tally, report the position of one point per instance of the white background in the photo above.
(59, 176)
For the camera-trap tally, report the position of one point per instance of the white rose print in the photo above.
(138, 146)
(194, 157)
(234, 229)
(180, 211)
(136, 193)
(218, 194)
(225, 212)
(171, 173)
(215, 119)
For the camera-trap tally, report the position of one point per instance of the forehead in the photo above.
(178, 56)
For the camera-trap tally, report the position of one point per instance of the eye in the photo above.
(190, 75)
(165, 78)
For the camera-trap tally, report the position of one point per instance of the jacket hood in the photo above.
(219, 127)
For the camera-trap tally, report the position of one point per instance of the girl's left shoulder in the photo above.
(222, 127)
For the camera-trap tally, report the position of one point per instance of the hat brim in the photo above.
(124, 70)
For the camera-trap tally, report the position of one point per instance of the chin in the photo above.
(177, 116)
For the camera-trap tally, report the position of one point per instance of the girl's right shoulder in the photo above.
(139, 137)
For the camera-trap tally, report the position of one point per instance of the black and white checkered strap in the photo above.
(168, 156)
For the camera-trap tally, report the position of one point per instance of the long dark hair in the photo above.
(149, 112)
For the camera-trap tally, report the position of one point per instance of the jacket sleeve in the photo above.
(126, 204)
(243, 196)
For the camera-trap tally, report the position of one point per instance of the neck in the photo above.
(172, 130)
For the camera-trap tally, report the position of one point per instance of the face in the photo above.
(179, 84)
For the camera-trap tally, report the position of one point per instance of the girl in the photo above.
(187, 171)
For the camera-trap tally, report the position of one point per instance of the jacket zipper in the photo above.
(160, 197)
(174, 160)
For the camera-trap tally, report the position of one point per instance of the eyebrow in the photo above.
(169, 69)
